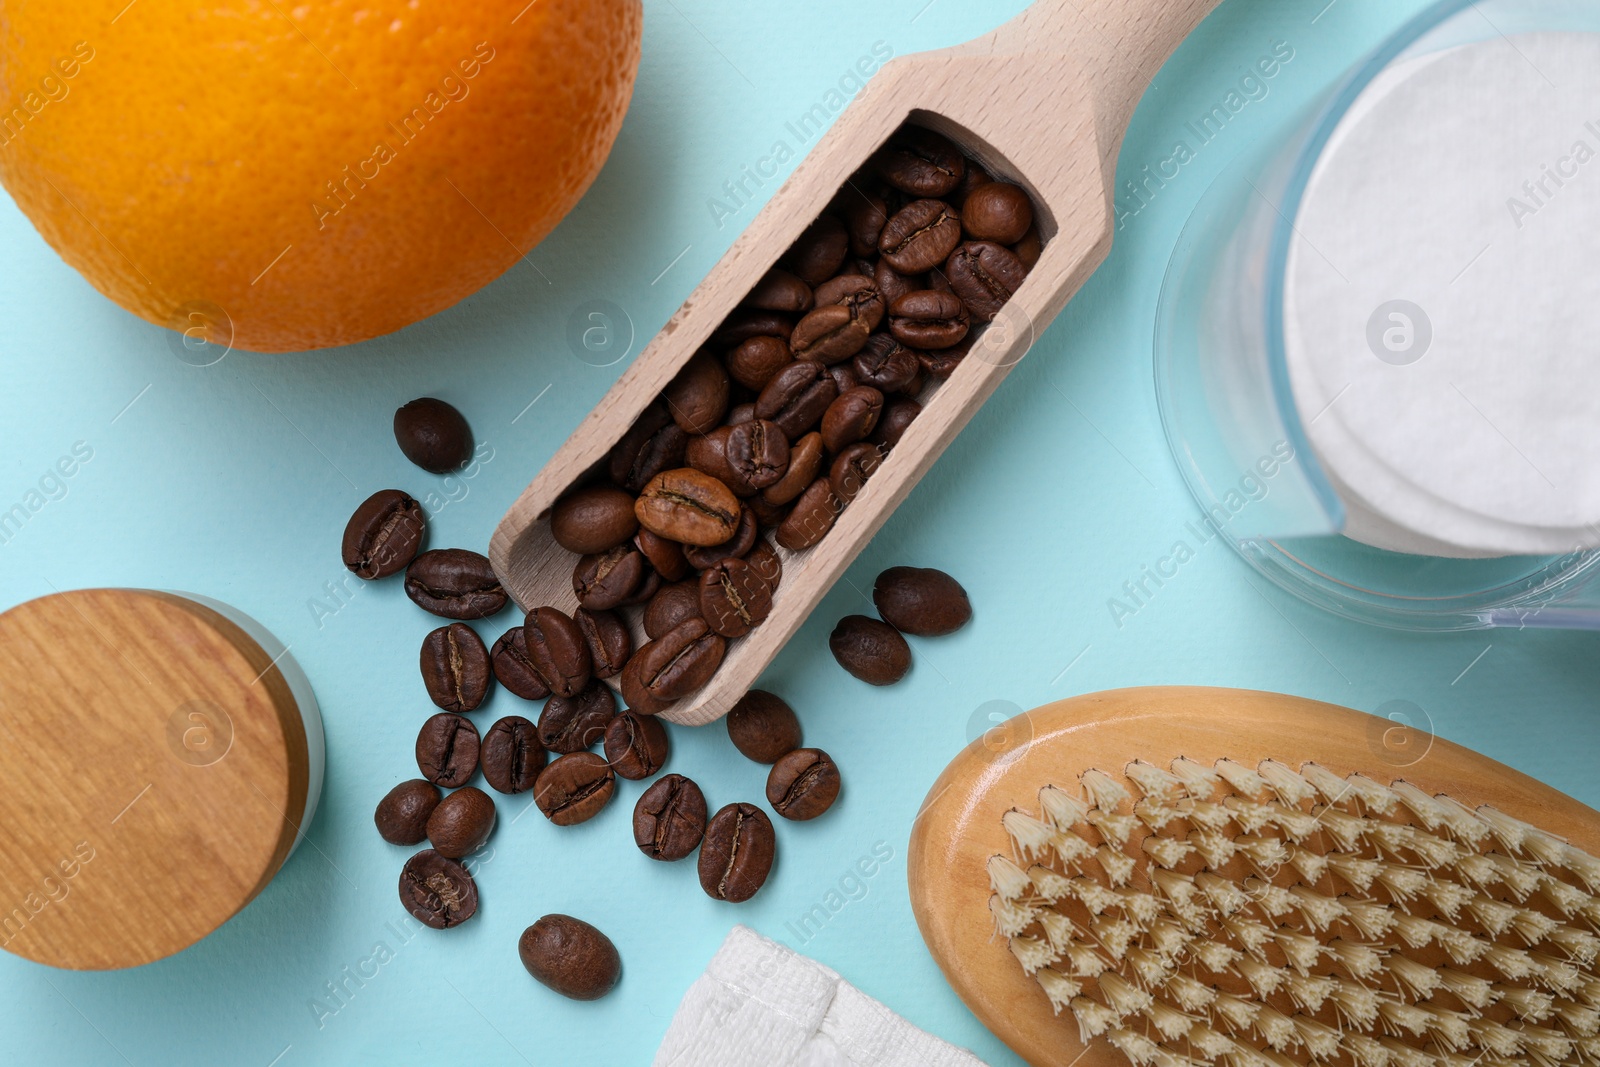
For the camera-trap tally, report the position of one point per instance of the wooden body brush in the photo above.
(1177, 876)
(1043, 102)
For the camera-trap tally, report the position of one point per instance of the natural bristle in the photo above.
(1274, 916)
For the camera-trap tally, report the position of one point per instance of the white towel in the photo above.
(761, 1004)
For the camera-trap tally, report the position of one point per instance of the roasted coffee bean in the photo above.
(871, 650)
(803, 784)
(864, 215)
(593, 519)
(920, 162)
(796, 397)
(936, 280)
(437, 891)
(892, 285)
(671, 606)
(778, 290)
(665, 557)
(817, 253)
(999, 212)
(741, 413)
(917, 385)
(733, 548)
(670, 818)
(737, 852)
(653, 444)
(885, 364)
(920, 236)
(574, 788)
(636, 745)
(689, 507)
(433, 435)
(851, 418)
(898, 415)
(813, 516)
(756, 360)
(929, 319)
(605, 580)
(557, 651)
(708, 454)
(734, 599)
(758, 452)
(829, 334)
(570, 956)
(511, 755)
(745, 323)
(461, 823)
(921, 601)
(805, 462)
(644, 590)
(572, 724)
(943, 362)
(1029, 248)
(859, 293)
(763, 727)
(610, 643)
(402, 815)
(698, 396)
(765, 562)
(844, 377)
(851, 469)
(514, 669)
(383, 535)
(974, 177)
(454, 583)
(984, 275)
(447, 750)
(455, 667)
(767, 515)
(672, 666)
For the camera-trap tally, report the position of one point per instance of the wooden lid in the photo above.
(153, 774)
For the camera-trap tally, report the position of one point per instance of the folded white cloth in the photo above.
(761, 1004)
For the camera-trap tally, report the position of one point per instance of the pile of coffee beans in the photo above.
(778, 422)
(918, 601)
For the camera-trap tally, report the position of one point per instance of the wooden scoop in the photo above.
(1043, 102)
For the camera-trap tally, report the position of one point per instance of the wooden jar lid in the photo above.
(154, 774)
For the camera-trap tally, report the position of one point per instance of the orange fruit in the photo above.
(297, 175)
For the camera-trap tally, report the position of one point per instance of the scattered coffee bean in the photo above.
(672, 666)
(511, 755)
(920, 162)
(864, 215)
(698, 397)
(803, 784)
(757, 452)
(670, 818)
(858, 293)
(984, 275)
(871, 650)
(796, 397)
(813, 516)
(734, 599)
(402, 815)
(851, 469)
(921, 601)
(898, 414)
(757, 359)
(570, 956)
(742, 412)
(733, 548)
(943, 363)
(447, 750)
(455, 667)
(893, 285)
(606, 580)
(929, 319)
(778, 290)
(514, 669)
(593, 519)
(437, 891)
(765, 562)
(665, 557)
(433, 435)
(557, 651)
(818, 252)
(885, 364)
(671, 606)
(653, 444)
(763, 727)
(998, 211)
(805, 462)
(636, 745)
(455, 583)
(851, 418)
(844, 378)
(737, 852)
(828, 334)
(384, 534)
(920, 236)
(463, 821)
(689, 507)
(574, 788)
(767, 515)
(610, 643)
(572, 724)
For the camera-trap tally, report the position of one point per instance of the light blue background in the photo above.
(236, 480)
